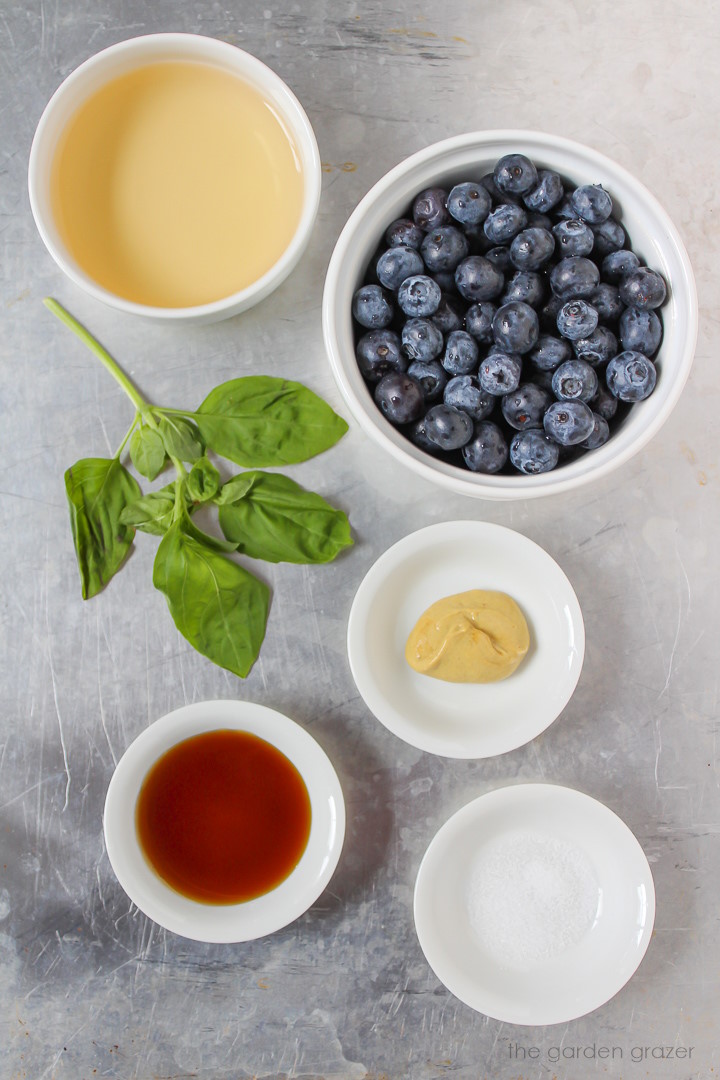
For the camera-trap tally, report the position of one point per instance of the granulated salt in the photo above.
(530, 898)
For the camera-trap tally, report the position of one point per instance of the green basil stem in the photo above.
(128, 433)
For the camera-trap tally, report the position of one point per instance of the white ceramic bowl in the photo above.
(126, 56)
(465, 720)
(572, 982)
(653, 236)
(225, 922)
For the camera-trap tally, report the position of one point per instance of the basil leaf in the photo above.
(180, 438)
(147, 452)
(259, 420)
(152, 513)
(218, 606)
(277, 520)
(98, 490)
(203, 481)
(205, 538)
(234, 488)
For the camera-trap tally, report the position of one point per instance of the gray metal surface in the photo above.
(89, 987)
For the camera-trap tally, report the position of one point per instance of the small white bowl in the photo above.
(465, 720)
(138, 52)
(573, 982)
(654, 238)
(225, 922)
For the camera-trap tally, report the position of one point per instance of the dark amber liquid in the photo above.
(223, 817)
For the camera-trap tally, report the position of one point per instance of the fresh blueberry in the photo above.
(525, 407)
(564, 209)
(597, 348)
(469, 203)
(448, 316)
(549, 352)
(525, 285)
(532, 452)
(396, 264)
(430, 209)
(543, 379)
(591, 203)
(498, 196)
(574, 278)
(640, 330)
(504, 222)
(443, 248)
(499, 373)
(617, 264)
(609, 236)
(604, 404)
(515, 173)
(432, 378)
(499, 256)
(576, 319)
(574, 380)
(487, 451)
(549, 313)
(372, 308)
(400, 398)
(516, 327)
(479, 320)
(532, 248)
(421, 339)
(631, 376)
(461, 353)
(447, 427)
(643, 288)
(464, 392)
(418, 435)
(605, 298)
(477, 279)
(568, 422)
(599, 434)
(419, 296)
(573, 237)
(546, 194)
(405, 232)
(378, 353)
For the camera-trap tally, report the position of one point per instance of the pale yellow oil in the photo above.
(176, 184)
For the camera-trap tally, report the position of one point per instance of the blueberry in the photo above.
(617, 264)
(574, 380)
(597, 348)
(487, 451)
(464, 392)
(498, 196)
(400, 398)
(479, 320)
(405, 232)
(443, 248)
(447, 427)
(525, 285)
(549, 352)
(446, 281)
(432, 378)
(499, 373)
(372, 308)
(396, 264)
(599, 434)
(564, 209)
(609, 236)
(448, 316)
(469, 203)
(499, 256)
(516, 327)
(532, 452)
(421, 339)
(604, 404)
(574, 278)
(640, 330)
(504, 222)
(418, 435)
(515, 173)
(591, 203)
(606, 300)
(532, 248)
(543, 379)
(429, 209)
(525, 407)
(419, 295)
(546, 194)
(461, 353)
(576, 319)
(378, 353)
(631, 376)
(643, 288)
(573, 237)
(568, 422)
(549, 313)
(477, 279)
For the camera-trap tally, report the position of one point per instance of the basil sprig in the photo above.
(217, 604)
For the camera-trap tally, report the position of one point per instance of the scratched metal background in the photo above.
(89, 987)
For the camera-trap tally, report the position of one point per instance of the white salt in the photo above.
(530, 897)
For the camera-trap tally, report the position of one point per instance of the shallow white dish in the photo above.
(453, 719)
(577, 980)
(225, 922)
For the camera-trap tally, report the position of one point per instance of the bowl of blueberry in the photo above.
(510, 314)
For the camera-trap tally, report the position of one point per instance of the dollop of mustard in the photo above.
(477, 637)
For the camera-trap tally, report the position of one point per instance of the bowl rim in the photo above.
(461, 481)
(198, 48)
